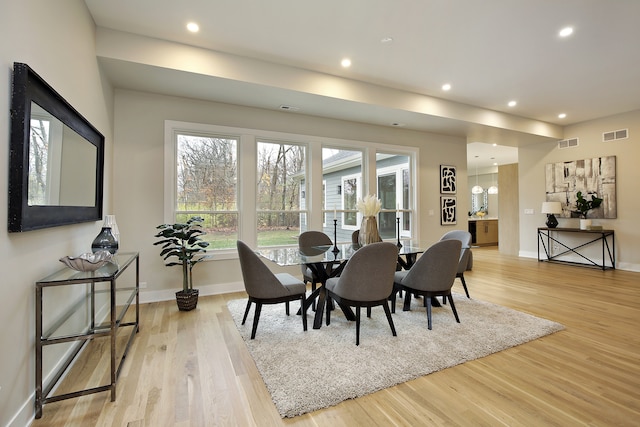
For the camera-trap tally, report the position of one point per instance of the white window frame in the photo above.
(324, 203)
(397, 170)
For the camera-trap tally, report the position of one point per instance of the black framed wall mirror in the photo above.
(56, 158)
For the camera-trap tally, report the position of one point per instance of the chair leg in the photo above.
(303, 309)
(358, 325)
(428, 302)
(407, 301)
(256, 318)
(389, 318)
(393, 300)
(286, 304)
(369, 312)
(464, 285)
(313, 303)
(246, 312)
(328, 308)
(453, 308)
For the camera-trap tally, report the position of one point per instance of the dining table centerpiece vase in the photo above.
(369, 207)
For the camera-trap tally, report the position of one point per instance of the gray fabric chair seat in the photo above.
(291, 284)
(399, 276)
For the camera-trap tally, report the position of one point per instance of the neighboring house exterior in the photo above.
(342, 188)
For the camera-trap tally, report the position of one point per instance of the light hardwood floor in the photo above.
(193, 369)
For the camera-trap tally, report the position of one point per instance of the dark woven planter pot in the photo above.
(187, 300)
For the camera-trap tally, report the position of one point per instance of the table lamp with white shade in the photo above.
(551, 208)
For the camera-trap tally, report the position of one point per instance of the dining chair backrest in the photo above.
(436, 269)
(310, 238)
(465, 252)
(259, 281)
(368, 275)
(313, 238)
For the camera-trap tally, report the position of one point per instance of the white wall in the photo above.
(532, 161)
(138, 181)
(56, 39)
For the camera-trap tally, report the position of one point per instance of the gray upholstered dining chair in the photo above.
(308, 239)
(265, 287)
(465, 253)
(432, 275)
(366, 281)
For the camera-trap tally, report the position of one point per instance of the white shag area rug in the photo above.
(295, 364)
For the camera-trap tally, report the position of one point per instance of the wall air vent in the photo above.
(615, 134)
(568, 143)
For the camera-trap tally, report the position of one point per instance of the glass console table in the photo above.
(117, 299)
(547, 237)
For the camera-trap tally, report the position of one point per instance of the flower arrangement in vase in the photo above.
(369, 207)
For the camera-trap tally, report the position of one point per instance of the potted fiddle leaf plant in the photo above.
(583, 206)
(182, 245)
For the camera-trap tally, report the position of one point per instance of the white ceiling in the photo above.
(490, 51)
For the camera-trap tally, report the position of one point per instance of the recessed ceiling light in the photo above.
(386, 40)
(397, 124)
(346, 63)
(512, 103)
(193, 27)
(562, 115)
(446, 87)
(566, 32)
(494, 145)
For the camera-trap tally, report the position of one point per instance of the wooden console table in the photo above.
(56, 334)
(605, 237)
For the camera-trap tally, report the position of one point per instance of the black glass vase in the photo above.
(105, 241)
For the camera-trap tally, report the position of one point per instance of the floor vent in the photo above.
(568, 143)
(615, 134)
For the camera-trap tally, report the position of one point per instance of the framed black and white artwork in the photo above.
(448, 184)
(594, 176)
(448, 210)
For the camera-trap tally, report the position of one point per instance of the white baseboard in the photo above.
(626, 266)
(170, 294)
(525, 254)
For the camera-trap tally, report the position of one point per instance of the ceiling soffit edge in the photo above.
(189, 60)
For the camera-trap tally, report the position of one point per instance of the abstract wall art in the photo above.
(448, 183)
(448, 210)
(594, 176)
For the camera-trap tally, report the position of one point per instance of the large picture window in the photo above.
(206, 185)
(281, 177)
(252, 185)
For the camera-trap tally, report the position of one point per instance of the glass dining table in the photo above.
(328, 261)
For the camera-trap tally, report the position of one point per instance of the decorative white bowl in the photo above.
(87, 261)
